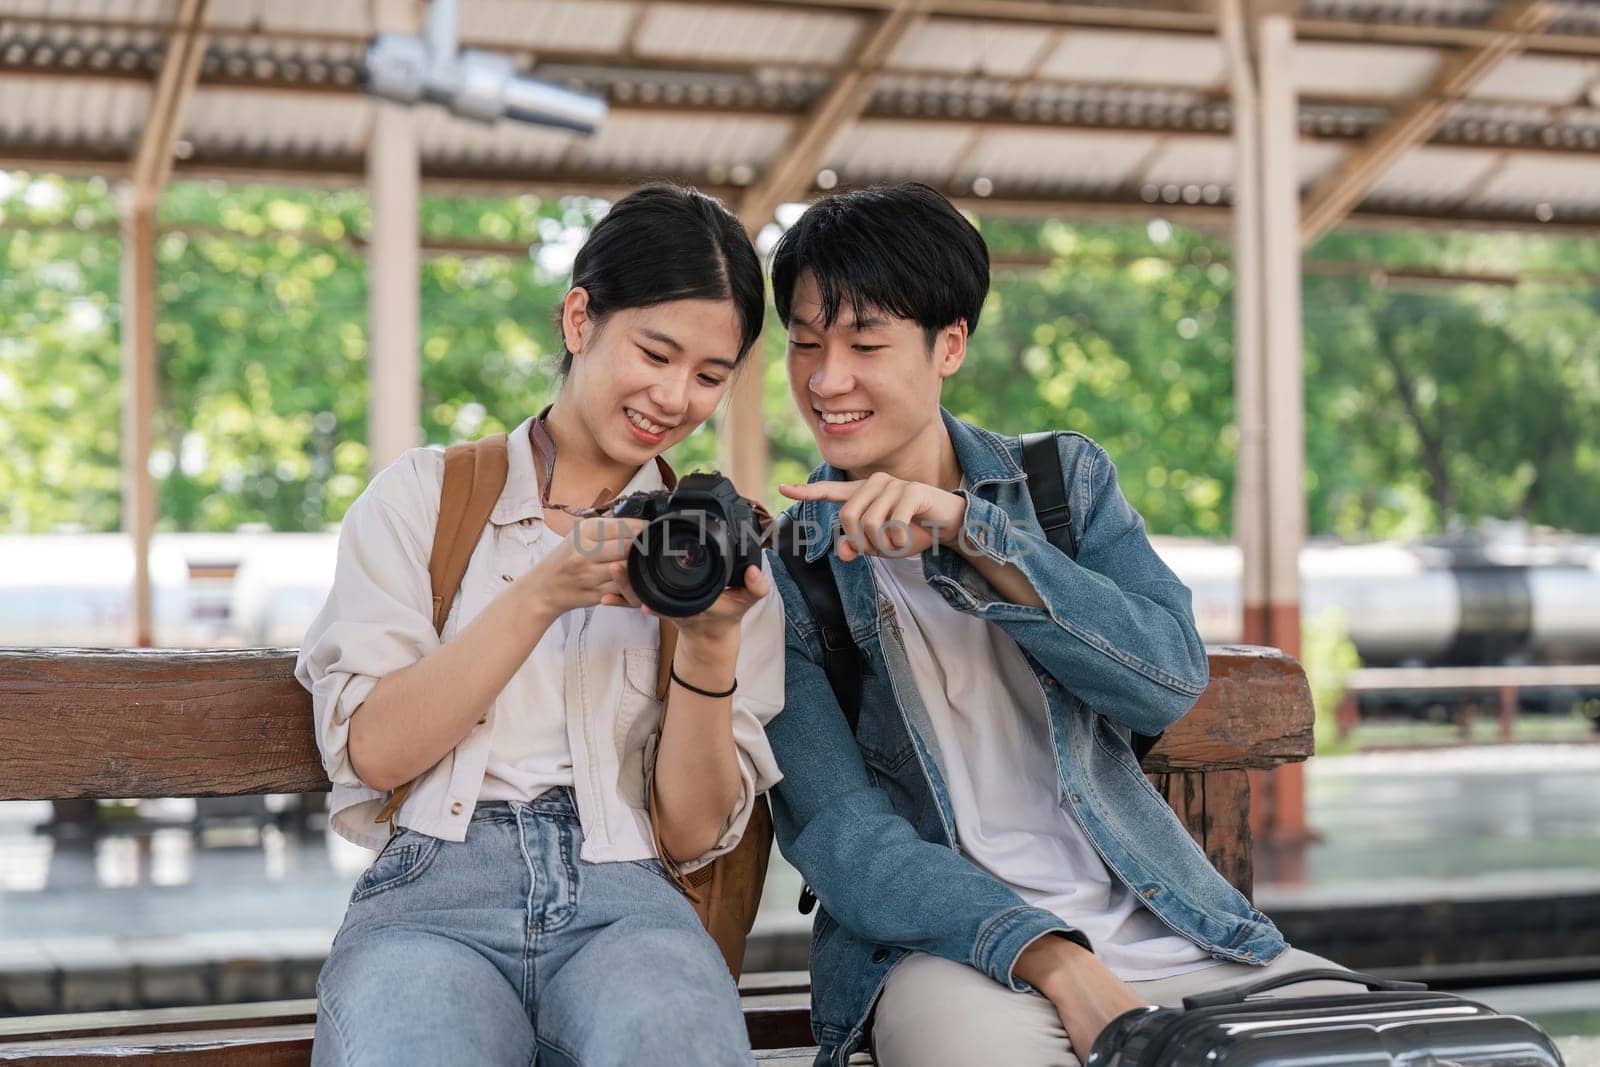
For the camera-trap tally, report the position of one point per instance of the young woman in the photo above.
(520, 911)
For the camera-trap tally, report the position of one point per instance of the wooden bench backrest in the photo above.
(226, 722)
(229, 722)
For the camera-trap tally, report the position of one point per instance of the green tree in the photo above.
(1426, 408)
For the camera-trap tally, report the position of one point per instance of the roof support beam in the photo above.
(152, 162)
(180, 71)
(792, 172)
(139, 384)
(394, 285)
(792, 175)
(1335, 196)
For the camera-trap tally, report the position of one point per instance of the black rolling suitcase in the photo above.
(1389, 1024)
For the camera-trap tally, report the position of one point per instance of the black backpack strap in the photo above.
(1048, 490)
(841, 658)
(1047, 487)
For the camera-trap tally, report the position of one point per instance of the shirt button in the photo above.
(945, 592)
(1151, 891)
(455, 808)
(880, 955)
(506, 578)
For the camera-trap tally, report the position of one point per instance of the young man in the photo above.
(998, 879)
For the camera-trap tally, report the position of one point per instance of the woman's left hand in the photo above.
(719, 621)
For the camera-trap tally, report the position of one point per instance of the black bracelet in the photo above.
(673, 673)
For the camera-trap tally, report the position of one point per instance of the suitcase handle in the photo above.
(1240, 993)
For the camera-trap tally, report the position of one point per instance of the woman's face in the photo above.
(645, 378)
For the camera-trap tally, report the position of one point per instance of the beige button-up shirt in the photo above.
(377, 619)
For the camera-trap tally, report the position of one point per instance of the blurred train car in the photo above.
(1446, 604)
(1514, 600)
(280, 586)
(73, 589)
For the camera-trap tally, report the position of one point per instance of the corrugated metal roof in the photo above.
(44, 111)
(967, 46)
(1069, 112)
(1357, 70)
(1438, 176)
(694, 31)
(1561, 183)
(1137, 59)
(1549, 80)
(886, 151)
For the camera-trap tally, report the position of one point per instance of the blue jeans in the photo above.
(506, 948)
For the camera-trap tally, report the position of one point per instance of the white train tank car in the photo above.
(75, 590)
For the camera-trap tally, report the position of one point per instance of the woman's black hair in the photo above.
(903, 249)
(667, 242)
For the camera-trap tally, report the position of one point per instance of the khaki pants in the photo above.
(937, 1013)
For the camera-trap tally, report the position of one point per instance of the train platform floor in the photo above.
(155, 910)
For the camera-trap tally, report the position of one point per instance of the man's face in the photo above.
(868, 386)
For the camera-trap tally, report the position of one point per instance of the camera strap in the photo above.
(544, 450)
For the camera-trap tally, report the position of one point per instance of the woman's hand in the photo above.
(580, 572)
(888, 516)
(716, 624)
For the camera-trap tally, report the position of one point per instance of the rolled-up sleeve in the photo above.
(759, 698)
(377, 617)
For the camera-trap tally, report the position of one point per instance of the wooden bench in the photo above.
(92, 723)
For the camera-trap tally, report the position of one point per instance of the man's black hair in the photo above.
(667, 242)
(902, 249)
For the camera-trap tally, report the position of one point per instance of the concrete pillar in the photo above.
(1284, 387)
(139, 382)
(741, 431)
(394, 316)
(1284, 392)
(1269, 492)
(742, 442)
(1249, 380)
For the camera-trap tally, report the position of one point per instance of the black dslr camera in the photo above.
(702, 535)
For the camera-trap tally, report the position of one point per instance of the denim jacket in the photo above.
(868, 820)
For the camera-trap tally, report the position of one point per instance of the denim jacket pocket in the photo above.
(881, 736)
(402, 860)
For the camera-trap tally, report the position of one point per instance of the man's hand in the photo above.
(1085, 994)
(888, 516)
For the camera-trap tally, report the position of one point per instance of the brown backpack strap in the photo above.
(474, 477)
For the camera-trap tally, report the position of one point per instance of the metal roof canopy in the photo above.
(1428, 111)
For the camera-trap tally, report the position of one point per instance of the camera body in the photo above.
(701, 537)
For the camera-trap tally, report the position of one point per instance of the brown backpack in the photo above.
(725, 892)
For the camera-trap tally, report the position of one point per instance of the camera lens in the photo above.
(681, 563)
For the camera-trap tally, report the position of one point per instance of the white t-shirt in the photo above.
(990, 718)
(529, 753)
